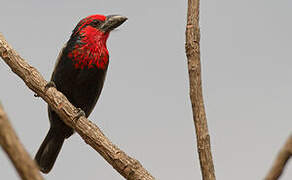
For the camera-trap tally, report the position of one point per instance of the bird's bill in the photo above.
(112, 22)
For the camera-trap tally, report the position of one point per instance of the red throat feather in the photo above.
(91, 51)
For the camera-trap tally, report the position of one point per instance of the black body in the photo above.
(82, 87)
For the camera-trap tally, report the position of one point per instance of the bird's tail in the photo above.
(49, 150)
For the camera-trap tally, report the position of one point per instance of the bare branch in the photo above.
(281, 160)
(91, 134)
(194, 65)
(25, 166)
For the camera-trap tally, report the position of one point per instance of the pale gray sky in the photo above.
(144, 107)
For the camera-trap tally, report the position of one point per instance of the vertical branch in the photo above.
(194, 66)
(281, 160)
(25, 166)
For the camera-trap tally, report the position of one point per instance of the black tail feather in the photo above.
(49, 150)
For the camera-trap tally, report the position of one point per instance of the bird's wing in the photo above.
(58, 59)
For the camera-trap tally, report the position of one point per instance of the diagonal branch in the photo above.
(281, 160)
(128, 167)
(25, 166)
(194, 65)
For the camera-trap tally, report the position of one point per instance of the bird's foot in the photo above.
(47, 86)
(50, 84)
(79, 113)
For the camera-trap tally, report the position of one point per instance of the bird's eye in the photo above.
(95, 23)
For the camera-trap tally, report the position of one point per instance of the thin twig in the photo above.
(25, 166)
(128, 167)
(281, 160)
(194, 65)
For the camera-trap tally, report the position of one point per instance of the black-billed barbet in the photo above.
(79, 74)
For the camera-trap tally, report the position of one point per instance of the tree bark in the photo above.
(25, 166)
(128, 167)
(281, 160)
(194, 66)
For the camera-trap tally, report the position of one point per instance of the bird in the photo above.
(79, 73)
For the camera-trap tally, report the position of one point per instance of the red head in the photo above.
(89, 40)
